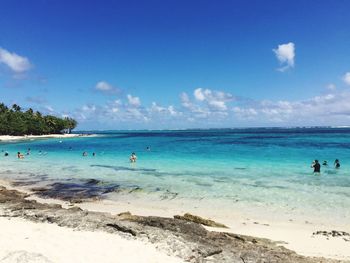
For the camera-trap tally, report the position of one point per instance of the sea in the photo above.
(253, 171)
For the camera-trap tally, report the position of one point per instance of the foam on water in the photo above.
(252, 170)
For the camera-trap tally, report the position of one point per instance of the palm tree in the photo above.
(16, 108)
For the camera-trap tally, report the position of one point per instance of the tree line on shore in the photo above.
(15, 121)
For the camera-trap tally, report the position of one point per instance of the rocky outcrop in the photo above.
(186, 239)
(200, 220)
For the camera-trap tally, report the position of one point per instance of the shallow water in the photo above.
(254, 170)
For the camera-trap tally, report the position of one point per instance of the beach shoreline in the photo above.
(9, 138)
(295, 236)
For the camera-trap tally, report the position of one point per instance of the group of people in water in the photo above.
(133, 158)
(19, 154)
(317, 166)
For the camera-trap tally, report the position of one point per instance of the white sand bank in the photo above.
(33, 137)
(25, 241)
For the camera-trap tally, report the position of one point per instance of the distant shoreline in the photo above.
(8, 138)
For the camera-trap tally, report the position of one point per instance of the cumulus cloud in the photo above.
(206, 107)
(185, 101)
(167, 111)
(105, 87)
(245, 113)
(134, 101)
(346, 78)
(216, 100)
(326, 109)
(16, 63)
(205, 104)
(285, 53)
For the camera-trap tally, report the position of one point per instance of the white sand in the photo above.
(25, 241)
(33, 137)
(296, 236)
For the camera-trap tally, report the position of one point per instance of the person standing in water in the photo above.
(336, 164)
(317, 167)
(133, 158)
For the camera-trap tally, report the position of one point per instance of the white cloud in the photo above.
(172, 111)
(207, 104)
(89, 108)
(285, 54)
(16, 63)
(156, 108)
(199, 95)
(186, 101)
(134, 101)
(115, 106)
(218, 105)
(167, 111)
(135, 114)
(245, 113)
(105, 87)
(209, 108)
(216, 100)
(346, 78)
(320, 110)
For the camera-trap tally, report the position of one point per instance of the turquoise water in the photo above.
(240, 169)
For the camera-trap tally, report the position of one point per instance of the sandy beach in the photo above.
(7, 138)
(23, 241)
(294, 236)
(297, 236)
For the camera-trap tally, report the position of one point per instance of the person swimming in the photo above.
(6, 154)
(325, 163)
(28, 151)
(336, 164)
(93, 154)
(133, 158)
(19, 155)
(85, 154)
(316, 165)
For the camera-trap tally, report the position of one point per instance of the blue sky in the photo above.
(178, 64)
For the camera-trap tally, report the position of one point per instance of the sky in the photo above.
(174, 64)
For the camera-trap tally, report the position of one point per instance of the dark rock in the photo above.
(122, 229)
(200, 220)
